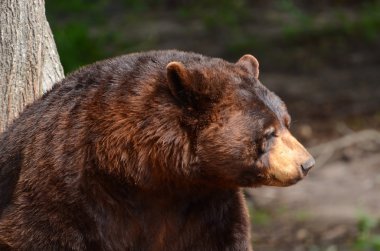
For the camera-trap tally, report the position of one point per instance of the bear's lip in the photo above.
(296, 180)
(286, 183)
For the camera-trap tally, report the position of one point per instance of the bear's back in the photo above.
(49, 121)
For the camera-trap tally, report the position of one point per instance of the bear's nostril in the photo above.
(308, 165)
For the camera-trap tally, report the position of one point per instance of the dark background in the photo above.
(322, 57)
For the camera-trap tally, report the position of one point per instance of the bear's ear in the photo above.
(250, 63)
(179, 80)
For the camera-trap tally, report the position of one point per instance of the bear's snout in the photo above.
(289, 161)
(306, 166)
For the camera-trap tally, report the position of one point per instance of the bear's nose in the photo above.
(306, 166)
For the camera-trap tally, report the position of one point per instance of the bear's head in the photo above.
(239, 130)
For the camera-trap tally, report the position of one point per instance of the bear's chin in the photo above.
(253, 179)
(285, 183)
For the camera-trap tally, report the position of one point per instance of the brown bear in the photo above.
(147, 151)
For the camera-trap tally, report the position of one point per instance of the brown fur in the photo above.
(143, 152)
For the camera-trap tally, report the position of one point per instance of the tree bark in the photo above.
(29, 62)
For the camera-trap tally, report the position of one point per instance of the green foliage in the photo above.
(86, 31)
(300, 21)
(259, 217)
(74, 24)
(369, 23)
(302, 24)
(76, 46)
(302, 215)
(367, 239)
(214, 13)
(66, 7)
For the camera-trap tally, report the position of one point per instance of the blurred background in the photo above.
(322, 57)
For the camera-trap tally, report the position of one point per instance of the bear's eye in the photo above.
(267, 141)
(270, 133)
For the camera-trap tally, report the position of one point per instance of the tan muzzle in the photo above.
(288, 160)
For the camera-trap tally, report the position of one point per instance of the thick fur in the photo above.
(146, 151)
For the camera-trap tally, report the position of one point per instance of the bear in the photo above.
(146, 151)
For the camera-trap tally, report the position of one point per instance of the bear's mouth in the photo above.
(274, 181)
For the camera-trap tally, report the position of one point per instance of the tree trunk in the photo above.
(29, 62)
